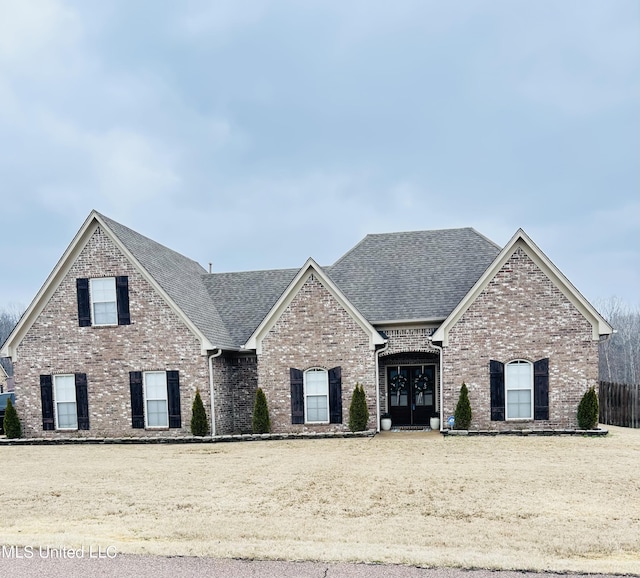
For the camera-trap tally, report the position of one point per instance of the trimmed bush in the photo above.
(261, 422)
(199, 421)
(11, 423)
(588, 410)
(358, 410)
(463, 414)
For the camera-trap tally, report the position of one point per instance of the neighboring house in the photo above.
(124, 331)
(3, 379)
(4, 397)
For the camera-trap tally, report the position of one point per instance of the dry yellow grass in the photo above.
(544, 503)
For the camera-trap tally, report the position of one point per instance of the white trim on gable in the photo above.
(308, 269)
(93, 221)
(521, 240)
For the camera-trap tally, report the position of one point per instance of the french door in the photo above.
(412, 393)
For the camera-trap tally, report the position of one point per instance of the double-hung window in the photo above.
(65, 401)
(103, 301)
(316, 395)
(519, 388)
(156, 399)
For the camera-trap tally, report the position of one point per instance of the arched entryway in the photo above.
(411, 387)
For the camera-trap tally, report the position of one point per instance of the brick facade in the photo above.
(315, 331)
(156, 340)
(406, 346)
(521, 314)
(235, 378)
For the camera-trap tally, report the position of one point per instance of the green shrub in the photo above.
(11, 423)
(261, 422)
(588, 410)
(462, 415)
(199, 422)
(358, 410)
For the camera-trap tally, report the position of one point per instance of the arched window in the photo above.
(519, 389)
(316, 395)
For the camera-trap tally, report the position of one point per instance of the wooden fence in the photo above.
(619, 404)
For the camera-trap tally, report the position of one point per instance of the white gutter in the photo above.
(378, 352)
(441, 382)
(213, 410)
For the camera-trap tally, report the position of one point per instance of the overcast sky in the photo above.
(255, 134)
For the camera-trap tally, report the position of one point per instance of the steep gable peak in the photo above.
(522, 242)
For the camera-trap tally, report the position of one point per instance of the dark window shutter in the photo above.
(297, 396)
(335, 395)
(84, 302)
(137, 399)
(122, 298)
(82, 401)
(46, 395)
(541, 389)
(173, 393)
(496, 373)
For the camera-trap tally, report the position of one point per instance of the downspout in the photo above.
(213, 411)
(441, 382)
(378, 352)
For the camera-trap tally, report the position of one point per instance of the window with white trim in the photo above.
(156, 399)
(316, 396)
(104, 309)
(519, 389)
(64, 387)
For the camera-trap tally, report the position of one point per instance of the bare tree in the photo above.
(620, 354)
(9, 317)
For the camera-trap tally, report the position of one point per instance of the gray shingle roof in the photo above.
(413, 275)
(181, 278)
(244, 299)
(388, 277)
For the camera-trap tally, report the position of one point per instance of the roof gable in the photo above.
(142, 253)
(308, 269)
(521, 240)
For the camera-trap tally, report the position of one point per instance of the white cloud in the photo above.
(36, 35)
(122, 169)
(220, 20)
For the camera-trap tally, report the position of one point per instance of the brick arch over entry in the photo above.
(408, 340)
(405, 358)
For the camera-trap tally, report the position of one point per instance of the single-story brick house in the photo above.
(124, 331)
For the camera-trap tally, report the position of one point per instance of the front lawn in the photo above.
(543, 503)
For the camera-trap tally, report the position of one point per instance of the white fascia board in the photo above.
(391, 323)
(61, 269)
(309, 268)
(521, 240)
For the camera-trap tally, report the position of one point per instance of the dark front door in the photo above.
(412, 395)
